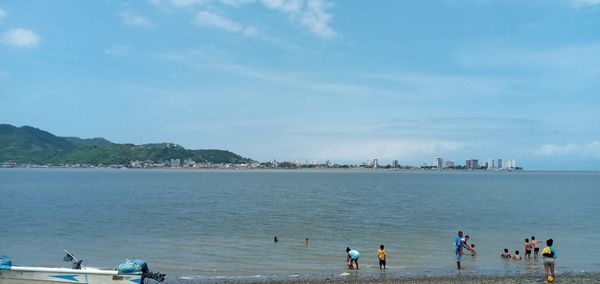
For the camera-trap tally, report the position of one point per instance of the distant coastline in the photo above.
(234, 167)
(29, 147)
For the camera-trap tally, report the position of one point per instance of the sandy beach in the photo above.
(536, 278)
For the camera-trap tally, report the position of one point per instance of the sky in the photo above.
(345, 81)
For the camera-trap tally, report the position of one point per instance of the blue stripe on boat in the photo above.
(67, 277)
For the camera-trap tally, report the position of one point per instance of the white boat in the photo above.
(25, 275)
(14, 274)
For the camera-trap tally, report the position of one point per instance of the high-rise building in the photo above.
(490, 164)
(375, 163)
(449, 164)
(509, 164)
(438, 162)
(472, 164)
(395, 163)
(499, 164)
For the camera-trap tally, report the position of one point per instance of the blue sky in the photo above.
(345, 81)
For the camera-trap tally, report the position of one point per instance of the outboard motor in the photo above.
(147, 274)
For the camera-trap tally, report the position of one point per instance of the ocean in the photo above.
(219, 225)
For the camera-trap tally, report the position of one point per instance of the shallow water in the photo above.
(218, 225)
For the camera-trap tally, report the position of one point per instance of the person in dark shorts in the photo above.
(536, 247)
(381, 255)
(528, 247)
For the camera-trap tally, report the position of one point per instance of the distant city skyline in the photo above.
(344, 81)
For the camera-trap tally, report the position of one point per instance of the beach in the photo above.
(526, 278)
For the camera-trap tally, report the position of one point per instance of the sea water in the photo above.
(220, 225)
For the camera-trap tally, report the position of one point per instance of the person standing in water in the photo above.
(459, 244)
(381, 255)
(528, 248)
(549, 254)
(536, 247)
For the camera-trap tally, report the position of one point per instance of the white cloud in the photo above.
(310, 14)
(585, 2)
(287, 6)
(188, 3)
(210, 19)
(385, 149)
(3, 14)
(130, 18)
(590, 149)
(19, 37)
(236, 3)
(313, 15)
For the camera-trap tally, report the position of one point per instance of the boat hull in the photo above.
(38, 275)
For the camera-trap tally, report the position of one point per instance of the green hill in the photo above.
(31, 145)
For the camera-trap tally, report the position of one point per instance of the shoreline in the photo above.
(568, 277)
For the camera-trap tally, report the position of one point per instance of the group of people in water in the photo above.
(460, 244)
(353, 255)
(533, 245)
(548, 253)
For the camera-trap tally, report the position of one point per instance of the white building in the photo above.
(438, 162)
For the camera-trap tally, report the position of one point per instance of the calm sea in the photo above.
(212, 225)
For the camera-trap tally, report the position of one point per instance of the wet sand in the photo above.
(537, 278)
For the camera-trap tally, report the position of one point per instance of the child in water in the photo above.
(536, 246)
(549, 254)
(528, 248)
(505, 254)
(517, 256)
(352, 257)
(381, 255)
(473, 250)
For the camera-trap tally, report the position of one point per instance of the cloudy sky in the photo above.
(345, 81)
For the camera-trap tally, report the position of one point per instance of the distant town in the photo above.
(29, 147)
(436, 164)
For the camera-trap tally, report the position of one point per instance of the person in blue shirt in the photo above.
(459, 244)
(352, 256)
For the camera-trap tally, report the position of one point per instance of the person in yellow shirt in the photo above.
(381, 255)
